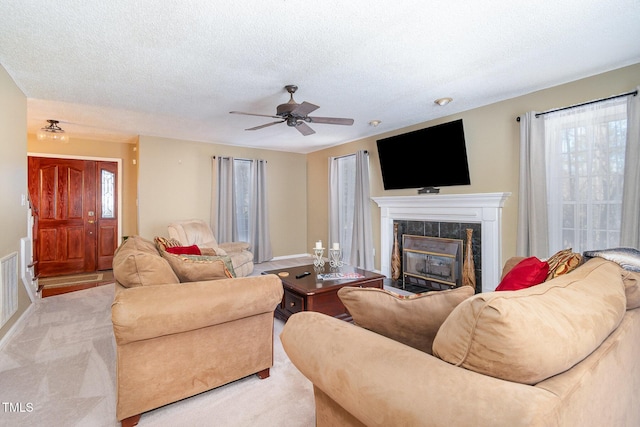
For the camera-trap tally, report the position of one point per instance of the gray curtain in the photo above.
(362, 242)
(533, 235)
(630, 226)
(225, 228)
(260, 238)
(334, 203)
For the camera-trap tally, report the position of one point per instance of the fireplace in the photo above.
(432, 263)
(447, 216)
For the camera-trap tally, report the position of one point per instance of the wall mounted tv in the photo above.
(432, 157)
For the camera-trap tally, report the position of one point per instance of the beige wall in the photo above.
(175, 183)
(103, 150)
(492, 136)
(13, 178)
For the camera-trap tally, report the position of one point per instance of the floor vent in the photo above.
(8, 287)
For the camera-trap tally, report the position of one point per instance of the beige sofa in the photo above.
(198, 232)
(562, 353)
(177, 339)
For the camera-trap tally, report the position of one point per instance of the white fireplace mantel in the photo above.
(483, 208)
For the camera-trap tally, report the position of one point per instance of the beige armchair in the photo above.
(198, 232)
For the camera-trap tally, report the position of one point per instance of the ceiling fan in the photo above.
(296, 115)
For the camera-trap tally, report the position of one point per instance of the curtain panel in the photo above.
(532, 238)
(630, 222)
(259, 236)
(225, 226)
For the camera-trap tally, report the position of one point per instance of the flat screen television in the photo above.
(432, 157)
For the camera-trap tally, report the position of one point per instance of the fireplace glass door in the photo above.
(431, 262)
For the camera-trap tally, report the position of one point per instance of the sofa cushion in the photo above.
(137, 263)
(563, 262)
(190, 268)
(535, 333)
(412, 320)
(528, 272)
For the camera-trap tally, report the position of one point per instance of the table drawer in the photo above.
(293, 303)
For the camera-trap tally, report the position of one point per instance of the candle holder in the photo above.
(317, 255)
(335, 258)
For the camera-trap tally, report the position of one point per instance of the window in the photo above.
(345, 187)
(585, 150)
(242, 179)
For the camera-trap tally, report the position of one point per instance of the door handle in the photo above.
(90, 222)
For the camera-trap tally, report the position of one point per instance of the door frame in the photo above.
(99, 159)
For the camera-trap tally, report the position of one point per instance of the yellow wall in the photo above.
(492, 136)
(13, 178)
(107, 150)
(175, 183)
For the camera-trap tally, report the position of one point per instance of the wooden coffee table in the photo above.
(309, 293)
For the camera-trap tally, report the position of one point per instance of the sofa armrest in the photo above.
(153, 311)
(382, 382)
(230, 247)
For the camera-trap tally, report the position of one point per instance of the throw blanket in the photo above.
(627, 258)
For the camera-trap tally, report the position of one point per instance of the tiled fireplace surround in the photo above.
(448, 216)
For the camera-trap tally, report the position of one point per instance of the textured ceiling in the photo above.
(176, 68)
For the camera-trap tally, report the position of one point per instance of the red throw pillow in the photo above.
(528, 272)
(184, 250)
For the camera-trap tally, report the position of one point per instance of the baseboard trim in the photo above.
(15, 326)
(278, 258)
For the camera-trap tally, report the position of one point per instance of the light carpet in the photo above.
(58, 369)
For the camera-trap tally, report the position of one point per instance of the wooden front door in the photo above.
(74, 203)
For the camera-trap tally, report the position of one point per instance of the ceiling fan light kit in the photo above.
(297, 115)
(53, 132)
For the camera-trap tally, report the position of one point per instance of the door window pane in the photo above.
(108, 185)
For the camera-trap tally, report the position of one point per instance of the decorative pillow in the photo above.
(184, 250)
(163, 243)
(191, 268)
(563, 262)
(412, 320)
(528, 272)
(225, 258)
(627, 258)
(208, 252)
(138, 263)
(523, 336)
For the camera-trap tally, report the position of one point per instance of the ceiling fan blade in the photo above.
(331, 120)
(264, 126)
(253, 114)
(304, 109)
(304, 129)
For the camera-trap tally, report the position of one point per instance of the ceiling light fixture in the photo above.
(443, 101)
(375, 123)
(53, 132)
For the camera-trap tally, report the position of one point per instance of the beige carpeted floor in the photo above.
(58, 369)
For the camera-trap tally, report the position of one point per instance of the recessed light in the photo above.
(443, 101)
(375, 123)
